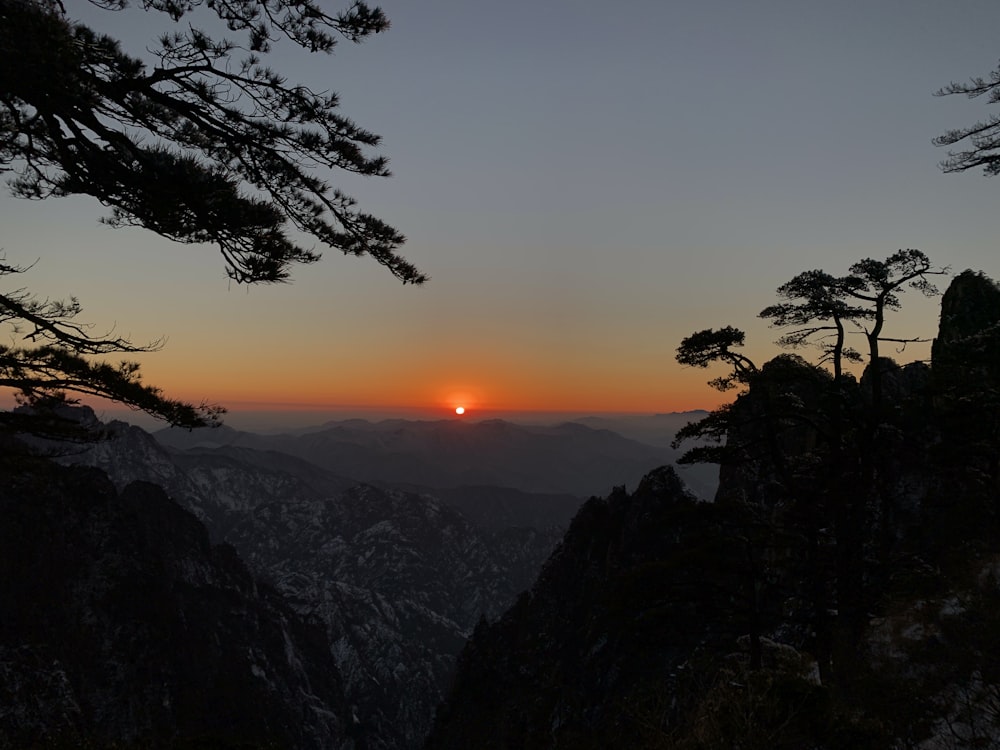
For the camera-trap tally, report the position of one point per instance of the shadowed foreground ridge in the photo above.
(397, 578)
(124, 627)
(842, 592)
(622, 602)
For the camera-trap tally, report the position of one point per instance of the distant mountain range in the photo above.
(652, 429)
(572, 458)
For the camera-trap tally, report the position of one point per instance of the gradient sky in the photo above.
(585, 182)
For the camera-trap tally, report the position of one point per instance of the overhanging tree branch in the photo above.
(983, 137)
(703, 348)
(44, 375)
(209, 145)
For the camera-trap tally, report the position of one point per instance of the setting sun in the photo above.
(460, 410)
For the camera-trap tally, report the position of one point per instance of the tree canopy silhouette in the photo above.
(54, 363)
(819, 308)
(203, 144)
(199, 141)
(815, 307)
(814, 451)
(706, 347)
(982, 139)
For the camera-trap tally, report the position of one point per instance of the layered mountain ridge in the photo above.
(398, 578)
(570, 458)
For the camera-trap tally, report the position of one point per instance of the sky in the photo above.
(585, 183)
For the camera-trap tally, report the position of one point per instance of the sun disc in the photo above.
(460, 410)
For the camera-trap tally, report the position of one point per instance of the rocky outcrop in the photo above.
(124, 626)
(637, 584)
(969, 307)
(846, 589)
(398, 579)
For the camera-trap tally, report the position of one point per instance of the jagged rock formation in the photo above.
(788, 386)
(841, 593)
(398, 578)
(622, 603)
(966, 381)
(499, 509)
(122, 626)
(966, 356)
(969, 308)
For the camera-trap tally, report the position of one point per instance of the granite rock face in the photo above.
(841, 592)
(123, 624)
(638, 582)
(397, 578)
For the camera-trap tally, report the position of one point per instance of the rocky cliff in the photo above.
(639, 582)
(398, 579)
(123, 626)
(841, 593)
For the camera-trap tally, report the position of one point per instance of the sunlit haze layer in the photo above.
(253, 418)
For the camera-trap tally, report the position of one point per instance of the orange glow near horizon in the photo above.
(469, 401)
(485, 390)
(492, 393)
(492, 400)
(487, 374)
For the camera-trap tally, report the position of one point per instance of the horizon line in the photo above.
(241, 405)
